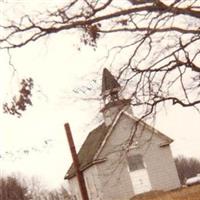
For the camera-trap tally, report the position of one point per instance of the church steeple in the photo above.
(113, 101)
(109, 83)
(110, 87)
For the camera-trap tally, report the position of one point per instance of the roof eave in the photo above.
(69, 176)
(167, 143)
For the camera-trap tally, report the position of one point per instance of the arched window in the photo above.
(135, 162)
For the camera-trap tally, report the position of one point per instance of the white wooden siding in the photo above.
(92, 184)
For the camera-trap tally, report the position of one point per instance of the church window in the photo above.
(135, 162)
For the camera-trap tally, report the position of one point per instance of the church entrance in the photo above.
(139, 175)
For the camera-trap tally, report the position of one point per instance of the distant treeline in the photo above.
(187, 167)
(13, 188)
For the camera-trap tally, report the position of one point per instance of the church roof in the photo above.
(89, 149)
(109, 83)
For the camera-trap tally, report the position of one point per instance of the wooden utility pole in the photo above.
(76, 163)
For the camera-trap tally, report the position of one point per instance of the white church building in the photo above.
(123, 157)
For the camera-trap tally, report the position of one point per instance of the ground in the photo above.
(185, 193)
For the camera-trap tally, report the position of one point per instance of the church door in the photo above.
(139, 175)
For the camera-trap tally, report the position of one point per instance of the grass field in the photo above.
(186, 193)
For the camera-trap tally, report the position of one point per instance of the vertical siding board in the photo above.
(74, 188)
(93, 184)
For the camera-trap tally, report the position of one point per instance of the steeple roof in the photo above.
(109, 83)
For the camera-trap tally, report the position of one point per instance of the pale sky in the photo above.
(36, 143)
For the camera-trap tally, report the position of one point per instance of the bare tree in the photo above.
(187, 167)
(155, 43)
(12, 189)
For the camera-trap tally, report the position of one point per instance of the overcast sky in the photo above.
(36, 143)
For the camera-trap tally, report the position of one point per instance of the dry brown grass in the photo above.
(187, 193)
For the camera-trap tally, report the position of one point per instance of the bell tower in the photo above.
(113, 102)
